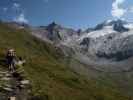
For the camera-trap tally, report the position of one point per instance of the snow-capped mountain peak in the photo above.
(111, 39)
(118, 25)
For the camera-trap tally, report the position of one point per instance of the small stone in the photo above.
(5, 79)
(1, 75)
(8, 75)
(12, 98)
(22, 86)
(24, 82)
(3, 72)
(7, 89)
(8, 85)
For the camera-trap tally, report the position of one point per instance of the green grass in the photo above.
(50, 78)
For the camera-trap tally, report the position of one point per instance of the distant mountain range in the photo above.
(111, 40)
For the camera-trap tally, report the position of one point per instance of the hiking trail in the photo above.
(13, 85)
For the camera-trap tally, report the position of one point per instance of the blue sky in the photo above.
(69, 13)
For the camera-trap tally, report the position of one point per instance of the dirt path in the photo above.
(13, 85)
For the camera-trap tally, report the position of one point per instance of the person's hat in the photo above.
(11, 50)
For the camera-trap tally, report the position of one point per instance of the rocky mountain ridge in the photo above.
(111, 39)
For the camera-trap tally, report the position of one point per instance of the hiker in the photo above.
(10, 59)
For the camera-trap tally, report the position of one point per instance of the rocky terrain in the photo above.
(13, 85)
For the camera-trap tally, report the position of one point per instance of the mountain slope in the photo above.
(54, 33)
(51, 79)
(110, 40)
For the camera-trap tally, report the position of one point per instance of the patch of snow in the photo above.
(130, 26)
(95, 34)
(5, 78)
(108, 21)
(8, 89)
(25, 82)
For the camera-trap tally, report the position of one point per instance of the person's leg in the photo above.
(9, 64)
(10, 67)
(13, 65)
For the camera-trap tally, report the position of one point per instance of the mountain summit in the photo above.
(118, 25)
(111, 39)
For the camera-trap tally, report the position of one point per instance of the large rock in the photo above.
(54, 33)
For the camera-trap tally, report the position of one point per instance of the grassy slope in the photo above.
(50, 78)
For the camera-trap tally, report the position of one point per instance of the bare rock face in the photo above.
(54, 33)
